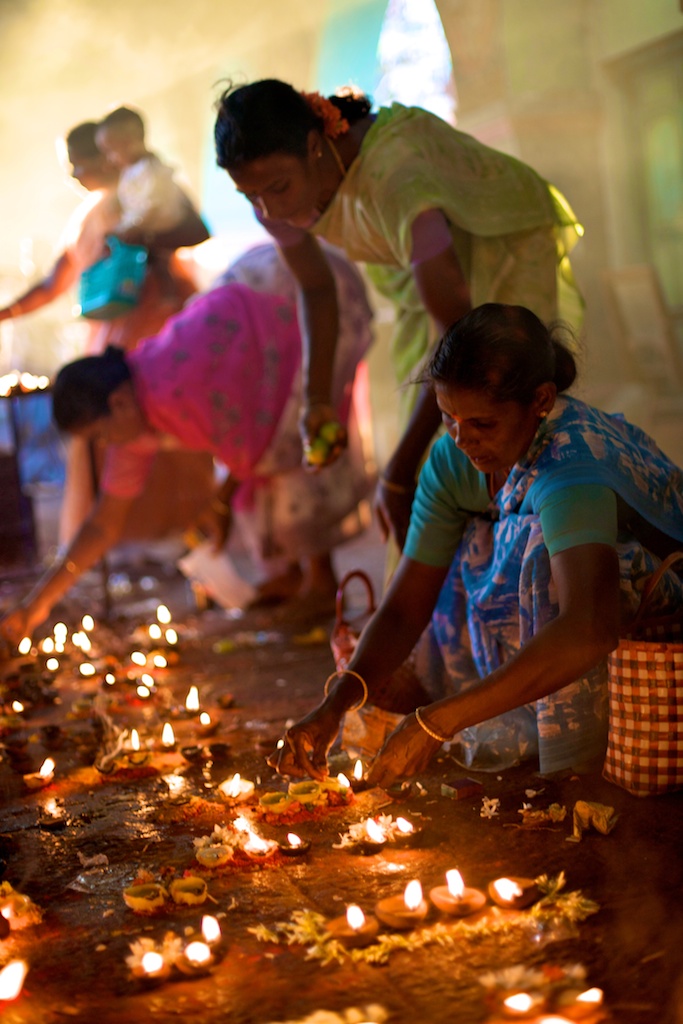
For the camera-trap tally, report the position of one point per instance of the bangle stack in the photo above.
(349, 672)
(389, 485)
(430, 732)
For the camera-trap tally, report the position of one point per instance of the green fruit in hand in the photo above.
(317, 452)
(331, 432)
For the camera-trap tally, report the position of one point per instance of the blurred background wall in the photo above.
(589, 92)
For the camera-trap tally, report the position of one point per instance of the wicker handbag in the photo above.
(645, 678)
(364, 731)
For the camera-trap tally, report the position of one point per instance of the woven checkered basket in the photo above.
(645, 743)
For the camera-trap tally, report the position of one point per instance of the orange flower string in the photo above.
(333, 122)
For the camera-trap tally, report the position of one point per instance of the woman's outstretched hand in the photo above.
(322, 436)
(407, 751)
(21, 622)
(306, 745)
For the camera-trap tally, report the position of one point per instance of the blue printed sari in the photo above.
(500, 592)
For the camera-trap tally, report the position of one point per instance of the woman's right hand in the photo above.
(21, 622)
(306, 744)
(322, 435)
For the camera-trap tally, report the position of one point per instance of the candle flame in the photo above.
(211, 930)
(47, 646)
(198, 953)
(375, 831)
(412, 897)
(51, 808)
(143, 692)
(110, 678)
(152, 962)
(358, 770)
(167, 735)
(405, 826)
(88, 622)
(17, 707)
(24, 645)
(146, 679)
(12, 979)
(232, 787)
(60, 632)
(456, 886)
(160, 661)
(343, 781)
(47, 767)
(355, 917)
(86, 669)
(280, 744)
(76, 639)
(155, 632)
(163, 614)
(52, 664)
(293, 839)
(591, 997)
(255, 844)
(241, 824)
(134, 739)
(520, 1002)
(192, 699)
(205, 719)
(507, 889)
(171, 636)
(138, 658)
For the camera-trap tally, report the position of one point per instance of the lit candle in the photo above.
(294, 846)
(206, 725)
(17, 707)
(60, 632)
(24, 646)
(211, 930)
(12, 979)
(340, 784)
(171, 637)
(192, 700)
(254, 846)
(135, 755)
(375, 838)
(159, 661)
(403, 912)
(86, 669)
(405, 832)
(521, 1005)
(236, 789)
(358, 782)
(155, 631)
(47, 646)
(153, 966)
(196, 958)
(453, 898)
(167, 736)
(138, 658)
(88, 623)
(36, 780)
(513, 893)
(52, 664)
(143, 691)
(163, 614)
(354, 930)
(579, 1004)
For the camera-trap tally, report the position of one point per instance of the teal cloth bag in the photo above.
(112, 286)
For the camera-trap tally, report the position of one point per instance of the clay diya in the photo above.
(294, 846)
(513, 893)
(455, 898)
(403, 912)
(354, 930)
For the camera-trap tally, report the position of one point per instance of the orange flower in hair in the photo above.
(333, 122)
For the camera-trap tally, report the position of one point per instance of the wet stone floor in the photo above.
(74, 846)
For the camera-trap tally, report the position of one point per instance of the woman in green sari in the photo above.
(442, 222)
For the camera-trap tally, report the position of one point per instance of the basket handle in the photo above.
(365, 579)
(652, 584)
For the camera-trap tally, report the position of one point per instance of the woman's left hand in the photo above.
(407, 751)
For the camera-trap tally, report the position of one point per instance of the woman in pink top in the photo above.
(222, 376)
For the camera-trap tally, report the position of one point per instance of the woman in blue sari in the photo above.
(536, 522)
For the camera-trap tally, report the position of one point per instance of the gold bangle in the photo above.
(220, 506)
(70, 566)
(395, 488)
(430, 732)
(349, 672)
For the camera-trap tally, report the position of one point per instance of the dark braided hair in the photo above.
(270, 116)
(504, 351)
(81, 390)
